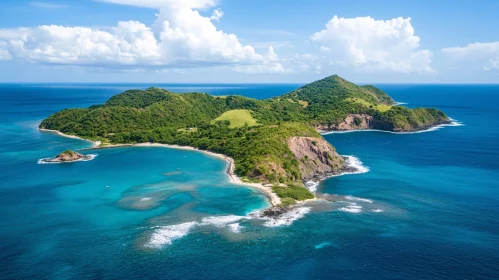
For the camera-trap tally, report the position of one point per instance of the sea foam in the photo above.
(287, 218)
(352, 208)
(400, 103)
(235, 227)
(311, 186)
(166, 234)
(349, 197)
(221, 221)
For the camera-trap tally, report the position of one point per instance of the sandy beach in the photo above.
(233, 178)
(94, 143)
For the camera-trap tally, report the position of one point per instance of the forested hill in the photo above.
(254, 132)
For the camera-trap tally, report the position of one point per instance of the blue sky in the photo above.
(249, 41)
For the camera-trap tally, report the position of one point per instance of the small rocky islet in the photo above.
(67, 156)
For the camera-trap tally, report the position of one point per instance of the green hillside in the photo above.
(237, 118)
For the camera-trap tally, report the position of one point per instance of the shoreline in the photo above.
(273, 199)
(431, 128)
(94, 143)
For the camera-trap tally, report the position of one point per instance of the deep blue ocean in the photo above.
(427, 209)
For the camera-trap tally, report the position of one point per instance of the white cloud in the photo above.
(271, 65)
(217, 15)
(475, 55)
(4, 54)
(179, 38)
(374, 44)
(47, 5)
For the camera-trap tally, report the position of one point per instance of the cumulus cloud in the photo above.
(475, 55)
(179, 38)
(272, 64)
(373, 44)
(217, 15)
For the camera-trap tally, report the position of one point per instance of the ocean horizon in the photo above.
(424, 206)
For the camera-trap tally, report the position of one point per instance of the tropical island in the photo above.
(274, 143)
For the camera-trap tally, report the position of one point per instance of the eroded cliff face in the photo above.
(364, 121)
(316, 157)
(356, 122)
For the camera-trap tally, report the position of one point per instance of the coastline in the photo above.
(274, 200)
(94, 143)
(431, 128)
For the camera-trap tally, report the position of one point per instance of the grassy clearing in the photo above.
(379, 107)
(292, 191)
(238, 118)
(303, 103)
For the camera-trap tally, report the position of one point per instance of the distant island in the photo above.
(274, 144)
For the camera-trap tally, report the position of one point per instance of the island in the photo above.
(273, 144)
(67, 156)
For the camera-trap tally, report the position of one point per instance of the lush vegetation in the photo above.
(237, 118)
(288, 201)
(293, 192)
(379, 107)
(69, 153)
(253, 132)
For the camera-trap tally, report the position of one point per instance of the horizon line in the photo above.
(228, 83)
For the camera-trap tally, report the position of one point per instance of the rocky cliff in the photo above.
(351, 122)
(316, 157)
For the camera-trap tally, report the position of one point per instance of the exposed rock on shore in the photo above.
(365, 121)
(316, 157)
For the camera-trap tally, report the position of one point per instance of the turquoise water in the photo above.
(427, 208)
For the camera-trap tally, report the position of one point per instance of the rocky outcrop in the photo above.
(355, 122)
(316, 157)
(365, 121)
(67, 156)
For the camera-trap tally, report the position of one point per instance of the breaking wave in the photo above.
(235, 227)
(349, 197)
(221, 221)
(165, 235)
(351, 208)
(287, 218)
(311, 186)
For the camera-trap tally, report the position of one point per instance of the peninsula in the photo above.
(274, 142)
